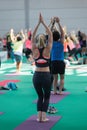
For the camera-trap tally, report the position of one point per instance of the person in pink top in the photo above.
(65, 48)
(27, 50)
(71, 48)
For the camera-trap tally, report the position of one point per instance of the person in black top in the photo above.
(42, 77)
(10, 48)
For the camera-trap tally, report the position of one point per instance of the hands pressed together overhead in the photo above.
(40, 19)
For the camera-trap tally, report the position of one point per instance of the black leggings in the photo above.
(42, 85)
(78, 51)
(27, 52)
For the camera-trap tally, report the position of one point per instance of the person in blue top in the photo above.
(57, 57)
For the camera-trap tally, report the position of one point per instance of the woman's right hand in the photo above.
(57, 19)
(41, 18)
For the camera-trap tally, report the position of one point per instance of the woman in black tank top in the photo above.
(42, 77)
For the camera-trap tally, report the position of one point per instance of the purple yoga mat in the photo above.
(56, 98)
(1, 113)
(1, 92)
(32, 124)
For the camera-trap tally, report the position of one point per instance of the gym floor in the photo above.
(17, 106)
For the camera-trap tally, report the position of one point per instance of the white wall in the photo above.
(17, 14)
(72, 13)
(11, 15)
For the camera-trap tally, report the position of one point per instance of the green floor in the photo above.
(18, 105)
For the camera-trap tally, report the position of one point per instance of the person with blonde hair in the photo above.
(42, 78)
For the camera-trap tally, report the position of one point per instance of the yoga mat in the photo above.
(1, 113)
(32, 124)
(56, 98)
(4, 82)
(13, 74)
(1, 92)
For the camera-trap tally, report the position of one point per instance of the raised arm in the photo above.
(50, 39)
(24, 35)
(60, 29)
(34, 34)
(13, 38)
(41, 21)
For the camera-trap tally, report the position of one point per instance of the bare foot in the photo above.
(45, 120)
(60, 93)
(39, 116)
(54, 93)
(39, 120)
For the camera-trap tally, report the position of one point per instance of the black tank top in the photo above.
(41, 61)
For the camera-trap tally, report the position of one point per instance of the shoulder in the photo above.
(35, 50)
